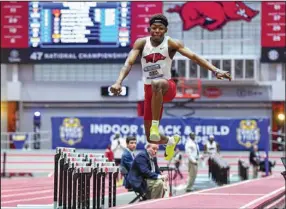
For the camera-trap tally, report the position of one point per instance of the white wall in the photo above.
(274, 75)
(79, 91)
(3, 82)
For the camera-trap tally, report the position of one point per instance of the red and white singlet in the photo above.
(156, 62)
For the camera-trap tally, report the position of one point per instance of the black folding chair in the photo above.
(140, 196)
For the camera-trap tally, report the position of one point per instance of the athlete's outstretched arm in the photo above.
(179, 46)
(132, 56)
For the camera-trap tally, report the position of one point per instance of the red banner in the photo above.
(14, 24)
(140, 15)
(273, 24)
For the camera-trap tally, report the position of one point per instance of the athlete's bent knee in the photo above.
(160, 86)
(156, 86)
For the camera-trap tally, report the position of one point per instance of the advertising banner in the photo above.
(98, 132)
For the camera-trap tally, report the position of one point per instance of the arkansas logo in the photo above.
(153, 58)
(212, 15)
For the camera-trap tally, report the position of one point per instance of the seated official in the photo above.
(144, 176)
(262, 163)
(127, 158)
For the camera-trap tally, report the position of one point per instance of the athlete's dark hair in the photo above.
(161, 17)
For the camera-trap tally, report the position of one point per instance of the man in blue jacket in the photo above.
(127, 158)
(144, 175)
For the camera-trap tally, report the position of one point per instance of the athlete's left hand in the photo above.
(221, 74)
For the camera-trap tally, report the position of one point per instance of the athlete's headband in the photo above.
(158, 20)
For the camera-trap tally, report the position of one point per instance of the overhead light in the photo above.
(37, 114)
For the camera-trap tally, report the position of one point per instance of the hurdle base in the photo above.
(55, 205)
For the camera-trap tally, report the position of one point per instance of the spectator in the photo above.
(144, 176)
(177, 161)
(193, 152)
(117, 146)
(211, 147)
(254, 160)
(127, 158)
(109, 154)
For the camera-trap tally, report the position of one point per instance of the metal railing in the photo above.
(31, 140)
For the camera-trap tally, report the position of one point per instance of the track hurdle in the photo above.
(73, 175)
(59, 151)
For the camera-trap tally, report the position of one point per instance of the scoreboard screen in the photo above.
(273, 28)
(79, 24)
(72, 32)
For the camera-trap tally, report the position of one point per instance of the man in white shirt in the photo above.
(211, 147)
(193, 152)
(117, 146)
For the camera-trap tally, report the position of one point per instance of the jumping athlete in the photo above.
(157, 52)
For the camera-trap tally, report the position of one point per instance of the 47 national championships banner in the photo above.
(97, 132)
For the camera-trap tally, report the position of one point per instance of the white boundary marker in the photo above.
(51, 174)
(230, 194)
(275, 202)
(198, 192)
(179, 1)
(35, 206)
(24, 190)
(260, 198)
(26, 200)
(8, 207)
(28, 193)
(50, 205)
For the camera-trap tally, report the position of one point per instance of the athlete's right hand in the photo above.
(115, 89)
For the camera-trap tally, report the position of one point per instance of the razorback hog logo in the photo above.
(153, 58)
(212, 15)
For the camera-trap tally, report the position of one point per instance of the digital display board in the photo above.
(79, 24)
(143, 11)
(72, 32)
(14, 24)
(273, 28)
(105, 91)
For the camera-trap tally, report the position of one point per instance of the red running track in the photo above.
(31, 191)
(247, 194)
(38, 191)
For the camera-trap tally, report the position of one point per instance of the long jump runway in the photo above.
(246, 194)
